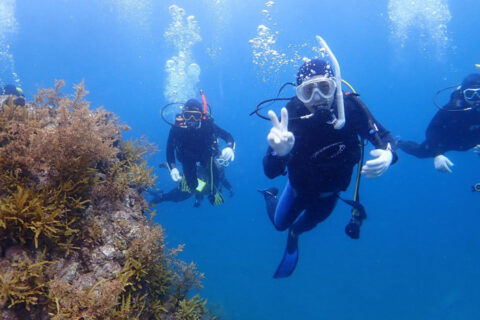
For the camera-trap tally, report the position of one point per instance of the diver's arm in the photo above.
(171, 150)
(274, 165)
(224, 135)
(370, 129)
(385, 140)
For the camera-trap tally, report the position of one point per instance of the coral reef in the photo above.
(75, 242)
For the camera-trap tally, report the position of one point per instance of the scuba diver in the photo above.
(178, 194)
(193, 139)
(316, 143)
(12, 93)
(455, 127)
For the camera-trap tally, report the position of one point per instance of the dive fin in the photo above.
(290, 258)
(270, 196)
(270, 192)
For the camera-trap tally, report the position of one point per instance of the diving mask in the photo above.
(192, 115)
(472, 94)
(323, 87)
(192, 118)
(222, 162)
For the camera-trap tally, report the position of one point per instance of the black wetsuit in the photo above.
(448, 131)
(321, 163)
(192, 146)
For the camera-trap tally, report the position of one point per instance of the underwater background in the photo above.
(418, 254)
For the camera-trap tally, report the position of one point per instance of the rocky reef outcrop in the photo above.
(76, 240)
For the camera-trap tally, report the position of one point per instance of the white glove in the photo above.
(175, 174)
(442, 163)
(280, 139)
(476, 149)
(227, 154)
(376, 167)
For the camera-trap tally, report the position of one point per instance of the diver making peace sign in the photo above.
(317, 146)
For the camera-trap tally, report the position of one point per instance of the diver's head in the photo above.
(192, 114)
(12, 92)
(316, 85)
(471, 89)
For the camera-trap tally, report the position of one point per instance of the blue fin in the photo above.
(270, 192)
(290, 258)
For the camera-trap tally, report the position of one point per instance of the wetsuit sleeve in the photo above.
(274, 165)
(224, 135)
(171, 149)
(370, 129)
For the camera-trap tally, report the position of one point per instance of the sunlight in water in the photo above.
(425, 20)
(221, 15)
(183, 74)
(266, 57)
(269, 58)
(8, 28)
(135, 12)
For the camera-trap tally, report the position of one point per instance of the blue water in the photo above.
(418, 256)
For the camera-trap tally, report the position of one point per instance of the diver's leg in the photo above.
(289, 207)
(176, 195)
(316, 211)
(282, 210)
(190, 172)
(157, 196)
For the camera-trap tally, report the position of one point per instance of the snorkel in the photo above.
(205, 105)
(340, 121)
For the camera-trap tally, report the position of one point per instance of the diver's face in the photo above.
(318, 103)
(472, 97)
(193, 118)
(317, 92)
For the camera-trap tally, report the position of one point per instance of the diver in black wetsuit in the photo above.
(179, 195)
(456, 127)
(318, 152)
(193, 140)
(12, 93)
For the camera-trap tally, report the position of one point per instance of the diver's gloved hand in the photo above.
(280, 139)
(227, 154)
(376, 167)
(442, 163)
(175, 174)
(476, 149)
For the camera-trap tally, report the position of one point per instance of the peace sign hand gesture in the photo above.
(280, 139)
